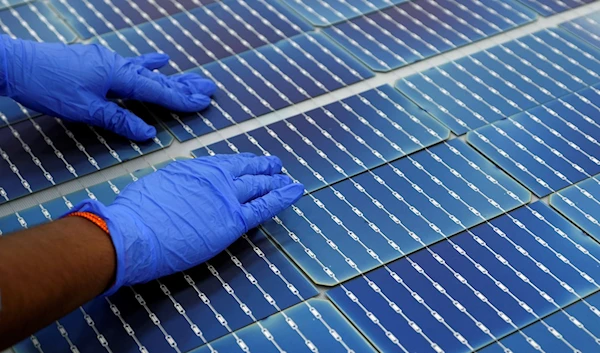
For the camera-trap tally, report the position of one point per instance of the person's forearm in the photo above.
(48, 271)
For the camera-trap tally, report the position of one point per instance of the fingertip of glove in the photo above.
(145, 133)
(199, 101)
(292, 192)
(283, 180)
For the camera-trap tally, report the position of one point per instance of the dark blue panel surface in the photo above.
(35, 21)
(549, 147)
(99, 16)
(247, 95)
(557, 333)
(464, 293)
(581, 204)
(586, 27)
(248, 282)
(314, 326)
(499, 82)
(57, 153)
(318, 148)
(203, 34)
(8, 3)
(328, 12)
(551, 7)
(417, 200)
(416, 30)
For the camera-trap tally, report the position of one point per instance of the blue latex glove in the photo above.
(189, 211)
(72, 82)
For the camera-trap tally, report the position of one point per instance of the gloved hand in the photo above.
(189, 211)
(72, 82)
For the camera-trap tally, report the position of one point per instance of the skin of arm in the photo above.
(48, 271)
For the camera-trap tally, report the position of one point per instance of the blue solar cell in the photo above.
(463, 293)
(586, 27)
(580, 204)
(205, 34)
(551, 7)
(416, 30)
(45, 152)
(35, 21)
(248, 282)
(549, 147)
(379, 216)
(308, 327)
(557, 333)
(327, 12)
(507, 79)
(13, 112)
(253, 84)
(318, 148)
(97, 17)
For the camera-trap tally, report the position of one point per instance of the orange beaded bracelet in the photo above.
(92, 218)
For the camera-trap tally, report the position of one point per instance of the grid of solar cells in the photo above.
(246, 283)
(504, 80)
(549, 147)
(466, 292)
(416, 30)
(552, 7)
(341, 139)
(586, 27)
(565, 335)
(276, 334)
(34, 21)
(360, 223)
(41, 152)
(580, 204)
(103, 16)
(327, 12)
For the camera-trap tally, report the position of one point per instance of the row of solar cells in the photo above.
(464, 300)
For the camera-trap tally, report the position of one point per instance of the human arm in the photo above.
(73, 82)
(168, 221)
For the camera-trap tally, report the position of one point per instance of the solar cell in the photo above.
(298, 329)
(103, 16)
(557, 333)
(247, 282)
(579, 203)
(327, 12)
(42, 151)
(13, 112)
(202, 35)
(416, 30)
(358, 224)
(549, 147)
(468, 291)
(341, 139)
(34, 21)
(586, 27)
(552, 7)
(502, 81)
(10, 3)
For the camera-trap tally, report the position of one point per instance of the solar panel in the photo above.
(357, 133)
(34, 21)
(504, 80)
(586, 27)
(358, 224)
(219, 26)
(579, 203)
(43, 151)
(416, 30)
(100, 17)
(262, 81)
(327, 12)
(13, 112)
(549, 147)
(9, 3)
(464, 293)
(247, 282)
(316, 326)
(552, 7)
(558, 331)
